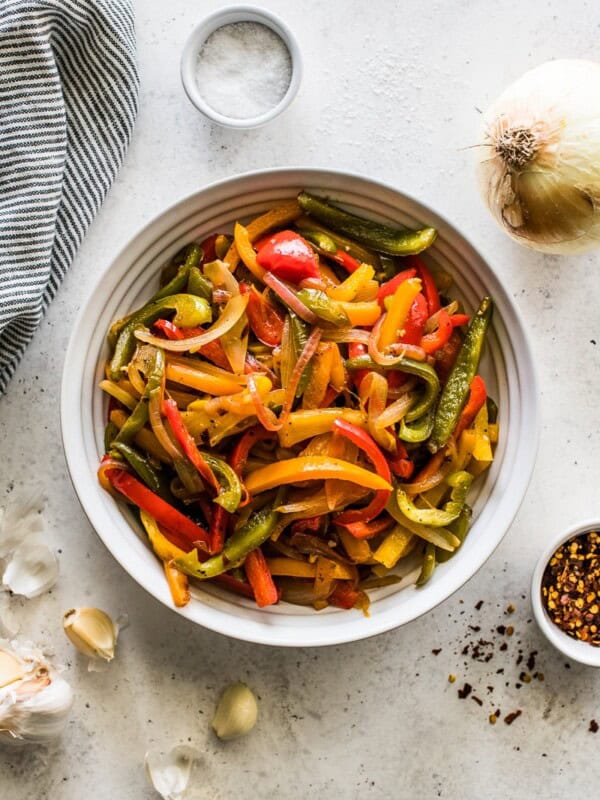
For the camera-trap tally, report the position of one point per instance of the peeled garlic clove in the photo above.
(21, 518)
(170, 773)
(34, 699)
(31, 570)
(92, 632)
(236, 712)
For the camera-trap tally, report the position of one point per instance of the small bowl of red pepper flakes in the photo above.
(566, 593)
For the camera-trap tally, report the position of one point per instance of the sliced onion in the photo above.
(394, 412)
(405, 350)
(347, 336)
(219, 275)
(135, 379)
(231, 314)
(290, 299)
(220, 296)
(106, 465)
(427, 483)
(206, 367)
(305, 356)
(265, 416)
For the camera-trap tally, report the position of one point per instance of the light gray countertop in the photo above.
(391, 90)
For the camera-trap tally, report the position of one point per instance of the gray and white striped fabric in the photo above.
(68, 100)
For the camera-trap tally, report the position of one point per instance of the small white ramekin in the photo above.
(228, 16)
(572, 648)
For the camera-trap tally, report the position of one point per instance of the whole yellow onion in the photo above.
(539, 166)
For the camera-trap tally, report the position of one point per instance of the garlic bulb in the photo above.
(236, 712)
(34, 700)
(539, 168)
(92, 632)
(171, 773)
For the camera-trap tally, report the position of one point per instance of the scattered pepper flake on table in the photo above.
(510, 718)
(593, 726)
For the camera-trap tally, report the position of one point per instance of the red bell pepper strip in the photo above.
(400, 464)
(243, 446)
(477, 397)
(368, 445)
(329, 397)
(234, 585)
(429, 288)
(389, 287)
(460, 319)
(367, 530)
(308, 525)
(345, 260)
(208, 248)
(289, 257)
(165, 514)
(265, 320)
(435, 340)
(356, 349)
(213, 351)
(218, 529)
(346, 596)
(260, 579)
(187, 443)
(415, 324)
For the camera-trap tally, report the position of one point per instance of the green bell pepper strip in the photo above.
(110, 433)
(324, 307)
(438, 517)
(190, 311)
(321, 241)
(340, 242)
(428, 565)
(230, 495)
(247, 538)
(299, 336)
(456, 390)
(380, 237)
(198, 284)
(389, 269)
(420, 431)
(492, 410)
(440, 537)
(139, 416)
(179, 281)
(151, 477)
(460, 528)
(419, 369)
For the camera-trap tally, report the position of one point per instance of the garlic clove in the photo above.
(11, 669)
(33, 707)
(21, 518)
(170, 773)
(92, 632)
(31, 570)
(236, 712)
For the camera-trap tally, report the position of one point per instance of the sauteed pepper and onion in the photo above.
(297, 413)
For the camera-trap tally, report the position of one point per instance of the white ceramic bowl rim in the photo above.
(82, 422)
(227, 16)
(572, 648)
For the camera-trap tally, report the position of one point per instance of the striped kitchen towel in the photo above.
(68, 100)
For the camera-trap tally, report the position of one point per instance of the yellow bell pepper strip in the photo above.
(380, 237)
(302, 425)
(358, 550)
(307, 468)
(276, 217)
(483, 448)
(202, 381)
(144, 438)
(362, 314)
(189, 312)
(167, 551)
(398, 543)
(244, 540)
(398, 309)
(348, 289)
(304, 569)
(337, 377)
(428, 565)
(441, 537)
(114, 390)
(316, 388)
(246, 252)
(456, 389)
(178, 584)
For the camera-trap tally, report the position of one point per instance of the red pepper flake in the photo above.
(465, 691)
(437, 651)
(531, 660)
(593, 726)
(478, 605)
(501, 629)
(477, 700)
(510, 718)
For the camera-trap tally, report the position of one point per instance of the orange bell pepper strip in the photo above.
(307, 468)
(399, 307)
(365, 313)
(367, 530)
(346, 596)
(389, 287)
(178, 585)
(260, 579)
